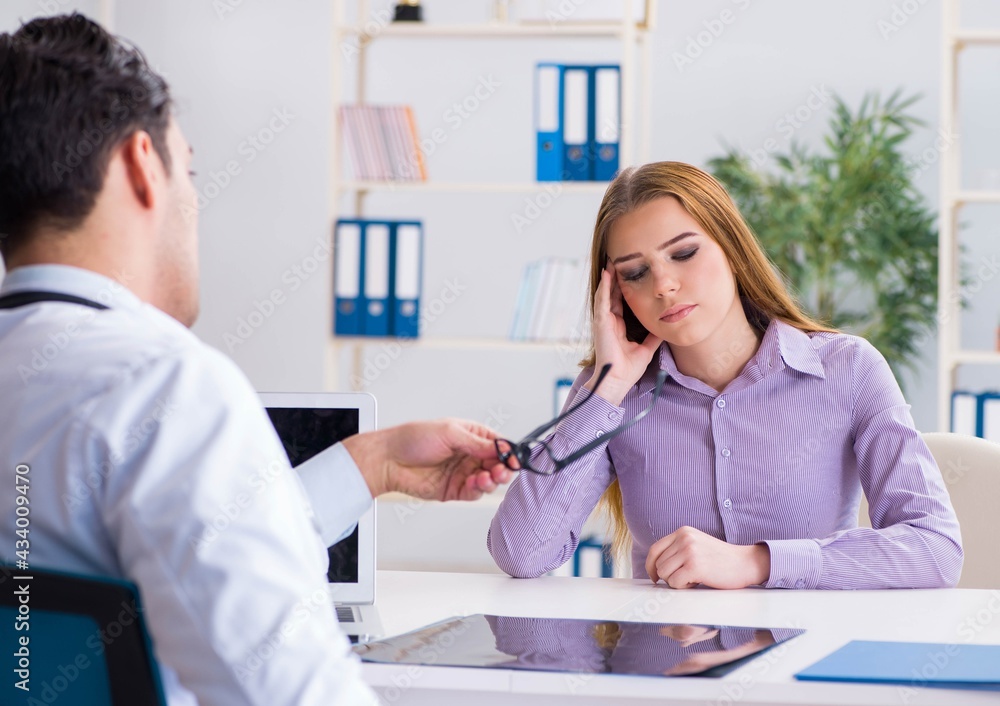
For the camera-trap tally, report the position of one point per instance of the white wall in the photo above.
(230, 73)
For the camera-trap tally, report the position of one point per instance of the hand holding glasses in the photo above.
(522, 451)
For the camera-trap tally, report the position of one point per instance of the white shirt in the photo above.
(151, 459)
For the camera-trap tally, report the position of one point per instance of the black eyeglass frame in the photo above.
(524, 449)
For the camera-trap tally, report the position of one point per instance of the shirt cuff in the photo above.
(337, 492)
(595, 418)
(795, 563)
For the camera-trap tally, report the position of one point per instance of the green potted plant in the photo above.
(854, 238)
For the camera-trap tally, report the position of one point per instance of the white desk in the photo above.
(409, 600)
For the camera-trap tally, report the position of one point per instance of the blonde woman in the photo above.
(749, 467)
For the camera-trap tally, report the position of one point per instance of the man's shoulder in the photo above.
(93, 351)
(159, 342)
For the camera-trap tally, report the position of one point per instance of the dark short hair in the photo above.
(70, 93)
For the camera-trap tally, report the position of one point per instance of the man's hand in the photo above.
(689, 557)
(446, 459)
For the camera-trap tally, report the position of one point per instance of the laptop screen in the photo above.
(305, 432)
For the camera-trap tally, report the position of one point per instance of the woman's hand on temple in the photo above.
(628, 359)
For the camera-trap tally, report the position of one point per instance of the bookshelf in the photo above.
(362, 32)
(951, 355)
(540, 29)
(582, 187)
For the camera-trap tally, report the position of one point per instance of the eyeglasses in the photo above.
(523, 450)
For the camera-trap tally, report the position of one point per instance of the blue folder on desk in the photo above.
(914, 664)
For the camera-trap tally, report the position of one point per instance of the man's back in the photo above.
(151, 459)
(58, 363)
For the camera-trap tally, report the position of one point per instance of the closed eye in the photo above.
(634, 275)
(684, 254)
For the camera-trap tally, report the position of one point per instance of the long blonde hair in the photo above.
(761, 289)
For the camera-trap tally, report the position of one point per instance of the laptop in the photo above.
(308, 423)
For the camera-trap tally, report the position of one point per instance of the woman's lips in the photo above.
(677, 313)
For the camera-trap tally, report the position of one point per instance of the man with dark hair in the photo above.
(139, 437)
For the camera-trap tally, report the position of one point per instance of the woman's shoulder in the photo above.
(838, 349)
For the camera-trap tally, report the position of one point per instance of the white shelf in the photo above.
(456, 343)
(953, 198)
(360, 33)
(466, 31)
(977, 197)
(580, 187)
(977, 357)
(977, 36)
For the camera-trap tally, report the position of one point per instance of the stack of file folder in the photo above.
(377, 277)
(383, 142)
(577, 121)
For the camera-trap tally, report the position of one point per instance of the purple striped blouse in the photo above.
(781, 456)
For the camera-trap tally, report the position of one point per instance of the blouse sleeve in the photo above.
(914, 541)
(537, 526)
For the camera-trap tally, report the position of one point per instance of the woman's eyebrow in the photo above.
(667, 244)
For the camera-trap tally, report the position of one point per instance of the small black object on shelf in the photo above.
(408, 11)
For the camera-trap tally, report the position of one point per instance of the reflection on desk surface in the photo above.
(568, 645)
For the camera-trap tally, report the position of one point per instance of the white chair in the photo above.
(971, 470)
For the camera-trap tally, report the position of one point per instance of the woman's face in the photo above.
(674, 277)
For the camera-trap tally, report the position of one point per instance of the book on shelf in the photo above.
(382, 142)
(551, 301)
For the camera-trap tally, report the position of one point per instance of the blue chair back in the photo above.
(74, 640)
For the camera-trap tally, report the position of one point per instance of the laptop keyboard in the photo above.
(345, 614)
